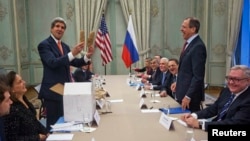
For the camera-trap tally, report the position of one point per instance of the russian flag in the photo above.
(130, 51)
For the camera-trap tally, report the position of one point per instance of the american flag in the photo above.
(102, 41)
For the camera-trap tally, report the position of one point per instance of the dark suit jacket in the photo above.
(238, 113)
(2, 134)
(56, 67)
(21, 124)
(163, 86)
(81, 76)
(155, 79)
(191, 73)
(170, 81)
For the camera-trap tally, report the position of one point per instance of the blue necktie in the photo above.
(225, 107)
(163, 78)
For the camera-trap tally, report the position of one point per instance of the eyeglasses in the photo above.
(228, 78)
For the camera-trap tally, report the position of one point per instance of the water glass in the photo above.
(189, 135)
(87, 121)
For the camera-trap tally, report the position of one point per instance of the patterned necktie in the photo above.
(72, 78)
(173, 81)
(163, 78)
(225, 107)
(153, 75)
(183, 48)
(60, 47)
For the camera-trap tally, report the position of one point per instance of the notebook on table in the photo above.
(174, 110)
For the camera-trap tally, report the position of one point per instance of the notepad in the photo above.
(174, 110)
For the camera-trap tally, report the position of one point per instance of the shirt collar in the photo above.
(191, 38)
(54, 39)
(237, 94)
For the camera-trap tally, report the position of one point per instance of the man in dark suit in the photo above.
(191, 72)
(173, 65)
(83, 74)
(161, 82)
(156, 72)
(223, 111)
(57, 59)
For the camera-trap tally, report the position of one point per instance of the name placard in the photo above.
(166, 121)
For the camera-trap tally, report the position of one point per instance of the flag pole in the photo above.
(105, 64)
(103, 42)
(104, 69)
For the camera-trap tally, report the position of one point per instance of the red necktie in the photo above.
(60, 47)
(71, 77)
(183, 48)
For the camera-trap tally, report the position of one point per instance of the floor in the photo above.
(213, 91)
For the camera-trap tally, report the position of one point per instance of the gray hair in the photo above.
(164, 59)
(56, 20)
(244, 68)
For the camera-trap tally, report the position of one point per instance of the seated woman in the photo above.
(22, 124)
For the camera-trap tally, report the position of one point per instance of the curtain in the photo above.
(234, 22)
(89, 15)
(140, 11)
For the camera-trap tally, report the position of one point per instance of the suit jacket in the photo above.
(191, 73)
(155, 78)
(159, 85)
(172, 79)
(238, 112)
(56, 67)
(81, 76)
(21, 123)
(2, 134)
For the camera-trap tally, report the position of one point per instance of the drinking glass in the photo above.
(153, 96)
(189, 135)
(87, 121)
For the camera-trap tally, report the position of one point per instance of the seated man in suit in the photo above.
(83, 74)
(162, 83)
(173, 65)
(231, 107)
(156, 72)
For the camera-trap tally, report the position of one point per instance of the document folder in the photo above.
(174, 110)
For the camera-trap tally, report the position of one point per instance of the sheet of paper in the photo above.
(115, 100)
(155, 101)
(76, 127)
(150, 111)
(61, 125)
(88, 129)
(60, 137)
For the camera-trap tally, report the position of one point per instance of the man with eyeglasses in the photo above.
(226, 111)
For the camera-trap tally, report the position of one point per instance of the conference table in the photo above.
(128, 123)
